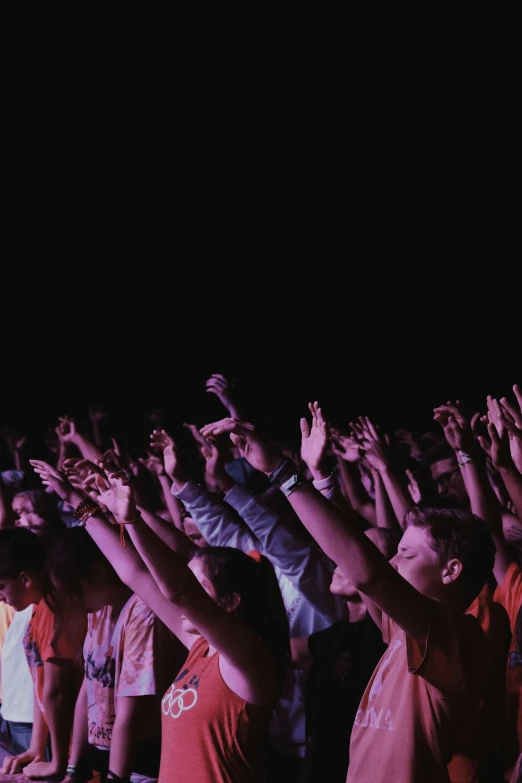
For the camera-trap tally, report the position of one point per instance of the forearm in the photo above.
(124, 741)
(174, 506)
(341, 538)
(40, 730)
(58, 715)
(398, 496)
(354, 491)
(167, 568)
(513, 482)
(170, 535)
(386, 515)
(87, 449)
(80, 732)
(483, 501)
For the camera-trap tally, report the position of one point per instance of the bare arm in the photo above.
(126, 734)
(80, 731)
(342, 539)
(176, 540)
(386, 516)
(354, 491)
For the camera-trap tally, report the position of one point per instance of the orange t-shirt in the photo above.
(209, 734)
(419, 702)
(509, 595)
(40, 646)
(494, 621)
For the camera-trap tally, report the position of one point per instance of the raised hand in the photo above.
(374, 443)
(216, 477)
(219, 385)
(15, 440)
(413, 487)
(456, 427)
(345, 446)
(511, 418)
(314, 441)
(261, 455)
(497, 448)
(54, 478)
(160, 439)
(66, 429)
(97, 412)
(201, 442)
(116, 492)
(154, 465)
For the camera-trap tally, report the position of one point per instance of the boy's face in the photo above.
(418, 562)
(14, 593)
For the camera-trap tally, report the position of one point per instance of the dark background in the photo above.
(323, 208)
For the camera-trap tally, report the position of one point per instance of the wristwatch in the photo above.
(288, 486)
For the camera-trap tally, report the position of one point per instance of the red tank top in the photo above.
(209, 734)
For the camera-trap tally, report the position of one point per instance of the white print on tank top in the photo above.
(178, 700)
(368, 717)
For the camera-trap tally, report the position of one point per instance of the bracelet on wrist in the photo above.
(463, 458)
(71, 770)
(326, 483)
(289, 486)
(124, 522)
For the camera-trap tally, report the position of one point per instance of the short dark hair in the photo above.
(457, 533)
(20, 551)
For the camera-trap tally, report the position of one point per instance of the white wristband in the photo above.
(326, 483)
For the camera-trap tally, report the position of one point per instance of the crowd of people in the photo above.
(225, 604)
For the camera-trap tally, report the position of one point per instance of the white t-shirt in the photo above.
(17, 683)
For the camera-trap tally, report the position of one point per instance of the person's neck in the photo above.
(356, 611)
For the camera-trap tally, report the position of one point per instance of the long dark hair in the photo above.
(253, 578)
(70, 558)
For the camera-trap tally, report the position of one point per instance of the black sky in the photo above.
(319, 209)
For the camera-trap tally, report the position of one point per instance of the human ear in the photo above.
(231, 602)
(451, 571)
(26, 579)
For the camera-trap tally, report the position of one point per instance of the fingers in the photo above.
(305, 427)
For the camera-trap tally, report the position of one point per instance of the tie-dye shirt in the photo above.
(127, 654)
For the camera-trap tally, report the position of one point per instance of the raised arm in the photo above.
(68, 433)
(315, 440)
(349, 454)
(125, 560)
(380, 457)
(342, 539)
(218, 525)
(483, 501)
(224, 390)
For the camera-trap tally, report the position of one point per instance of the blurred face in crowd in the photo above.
(193, 532)
(448, 480)
(16, 592)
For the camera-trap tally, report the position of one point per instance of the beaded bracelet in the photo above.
(80, 508)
